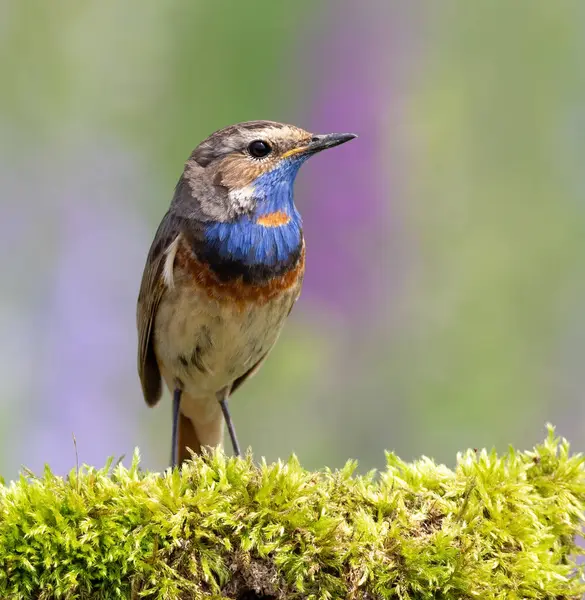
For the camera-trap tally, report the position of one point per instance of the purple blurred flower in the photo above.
(89, 343)
(350, 218)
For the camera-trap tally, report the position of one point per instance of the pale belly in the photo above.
(203, 345)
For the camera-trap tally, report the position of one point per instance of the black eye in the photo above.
(259, 148)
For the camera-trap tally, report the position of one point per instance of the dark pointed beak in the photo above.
(322, 142)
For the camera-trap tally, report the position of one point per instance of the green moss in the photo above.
(495, 527)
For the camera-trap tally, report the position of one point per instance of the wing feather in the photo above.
(152, 289)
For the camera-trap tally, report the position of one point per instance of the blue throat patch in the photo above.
(253, 244)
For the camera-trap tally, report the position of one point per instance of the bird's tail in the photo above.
(200, 425)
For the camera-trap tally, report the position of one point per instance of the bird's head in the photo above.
(251, 163)
(241, 184)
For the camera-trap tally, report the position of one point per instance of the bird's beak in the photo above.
(321, 142)
(329, 140)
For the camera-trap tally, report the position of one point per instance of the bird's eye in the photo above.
(259, 148)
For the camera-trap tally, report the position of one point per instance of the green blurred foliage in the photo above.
(482, 338)
(500, 235)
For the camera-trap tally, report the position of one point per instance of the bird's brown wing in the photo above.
(151, 291)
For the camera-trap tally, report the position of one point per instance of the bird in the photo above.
(222, 274)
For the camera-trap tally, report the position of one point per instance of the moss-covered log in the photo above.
(494, 527)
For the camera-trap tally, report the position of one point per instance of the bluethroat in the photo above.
(223, 272)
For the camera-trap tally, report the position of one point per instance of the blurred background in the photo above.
(443, 303)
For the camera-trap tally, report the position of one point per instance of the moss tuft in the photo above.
(495, 527)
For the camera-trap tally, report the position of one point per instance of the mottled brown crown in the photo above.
(236, 138)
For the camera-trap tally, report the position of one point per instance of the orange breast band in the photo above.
(202, 277)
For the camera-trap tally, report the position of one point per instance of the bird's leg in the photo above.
(223, 398)
(175, 441)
